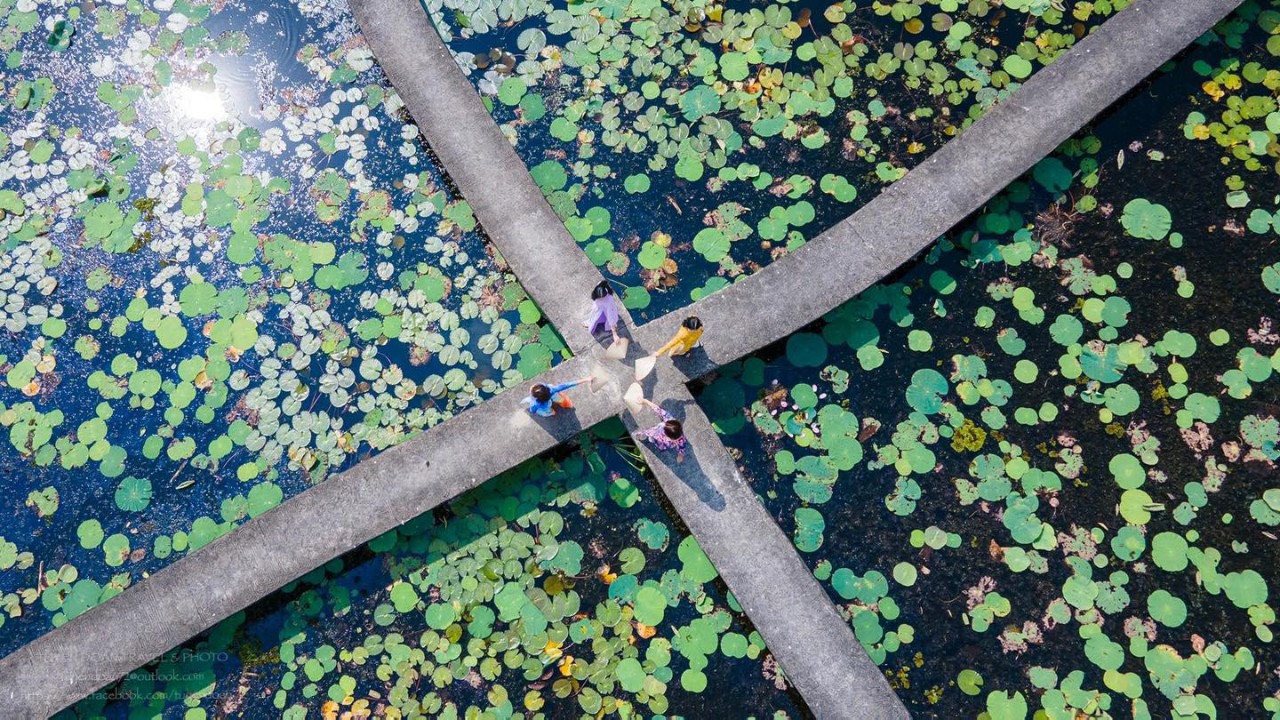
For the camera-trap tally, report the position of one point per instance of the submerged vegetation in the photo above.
(558, 589)
(229, 269)
(1037, 471)
(686, 144)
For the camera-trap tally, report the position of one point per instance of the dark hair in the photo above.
(604, 289)
(692, 322)
(673, 429)
(540, 392)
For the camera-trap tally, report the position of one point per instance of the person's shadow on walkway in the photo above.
(690, 472)
(563, 426)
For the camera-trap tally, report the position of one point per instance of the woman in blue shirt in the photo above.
(544, 399)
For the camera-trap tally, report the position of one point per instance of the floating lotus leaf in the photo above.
(1142, 218)
(711, 243)
(89, 532)
(403, 597)
(115, 549)
(1136, 506)
(696, 567)
(650, 606)
(1245, 588)
(1003, 706)
(969, 682)
(440, 615)
(1103, 652)
(133, 494)
(631, 675)
(1128, 471)
(925, 391)
(1166, 609)
(806, 350)
(809, 527)
(905, 573)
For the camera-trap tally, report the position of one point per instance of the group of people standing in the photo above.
(668, 434)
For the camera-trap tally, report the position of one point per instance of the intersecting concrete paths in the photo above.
(813, 644)
(168, 608)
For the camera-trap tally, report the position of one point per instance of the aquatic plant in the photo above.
(558, 589)
(1066, 413)
(736, 132)
(230, 269)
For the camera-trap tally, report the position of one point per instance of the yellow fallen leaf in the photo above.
(552, 649)
(566, 666)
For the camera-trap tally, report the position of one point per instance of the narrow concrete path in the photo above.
(481, 162)
(338, 515)
(795, 616)
(168, 608)
(946, 188)
(814, 645)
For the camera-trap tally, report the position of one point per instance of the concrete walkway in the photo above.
(795, 616)
(238, 569)
(481, 162)
(954, 182)
(813, 644)
(173, 605)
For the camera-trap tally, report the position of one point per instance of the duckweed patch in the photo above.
(1080, 523)
(228, 270)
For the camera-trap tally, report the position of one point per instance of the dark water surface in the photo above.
(1033, 468)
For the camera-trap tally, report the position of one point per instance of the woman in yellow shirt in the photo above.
(686, 338)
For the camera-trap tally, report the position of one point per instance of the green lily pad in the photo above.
(133, 494)
(1142, 218)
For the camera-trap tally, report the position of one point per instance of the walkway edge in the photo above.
(231, 573)
(811, 641)
(480, 160)
(953, 183)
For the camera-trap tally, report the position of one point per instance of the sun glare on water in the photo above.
(202, 106)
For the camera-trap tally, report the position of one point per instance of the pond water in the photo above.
(687, 144)
(562, 588)
(229, 270)
(1037, 469)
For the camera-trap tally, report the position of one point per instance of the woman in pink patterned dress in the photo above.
(667, 434)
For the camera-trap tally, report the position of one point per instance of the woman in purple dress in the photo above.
(604, 316)
(668, 434)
